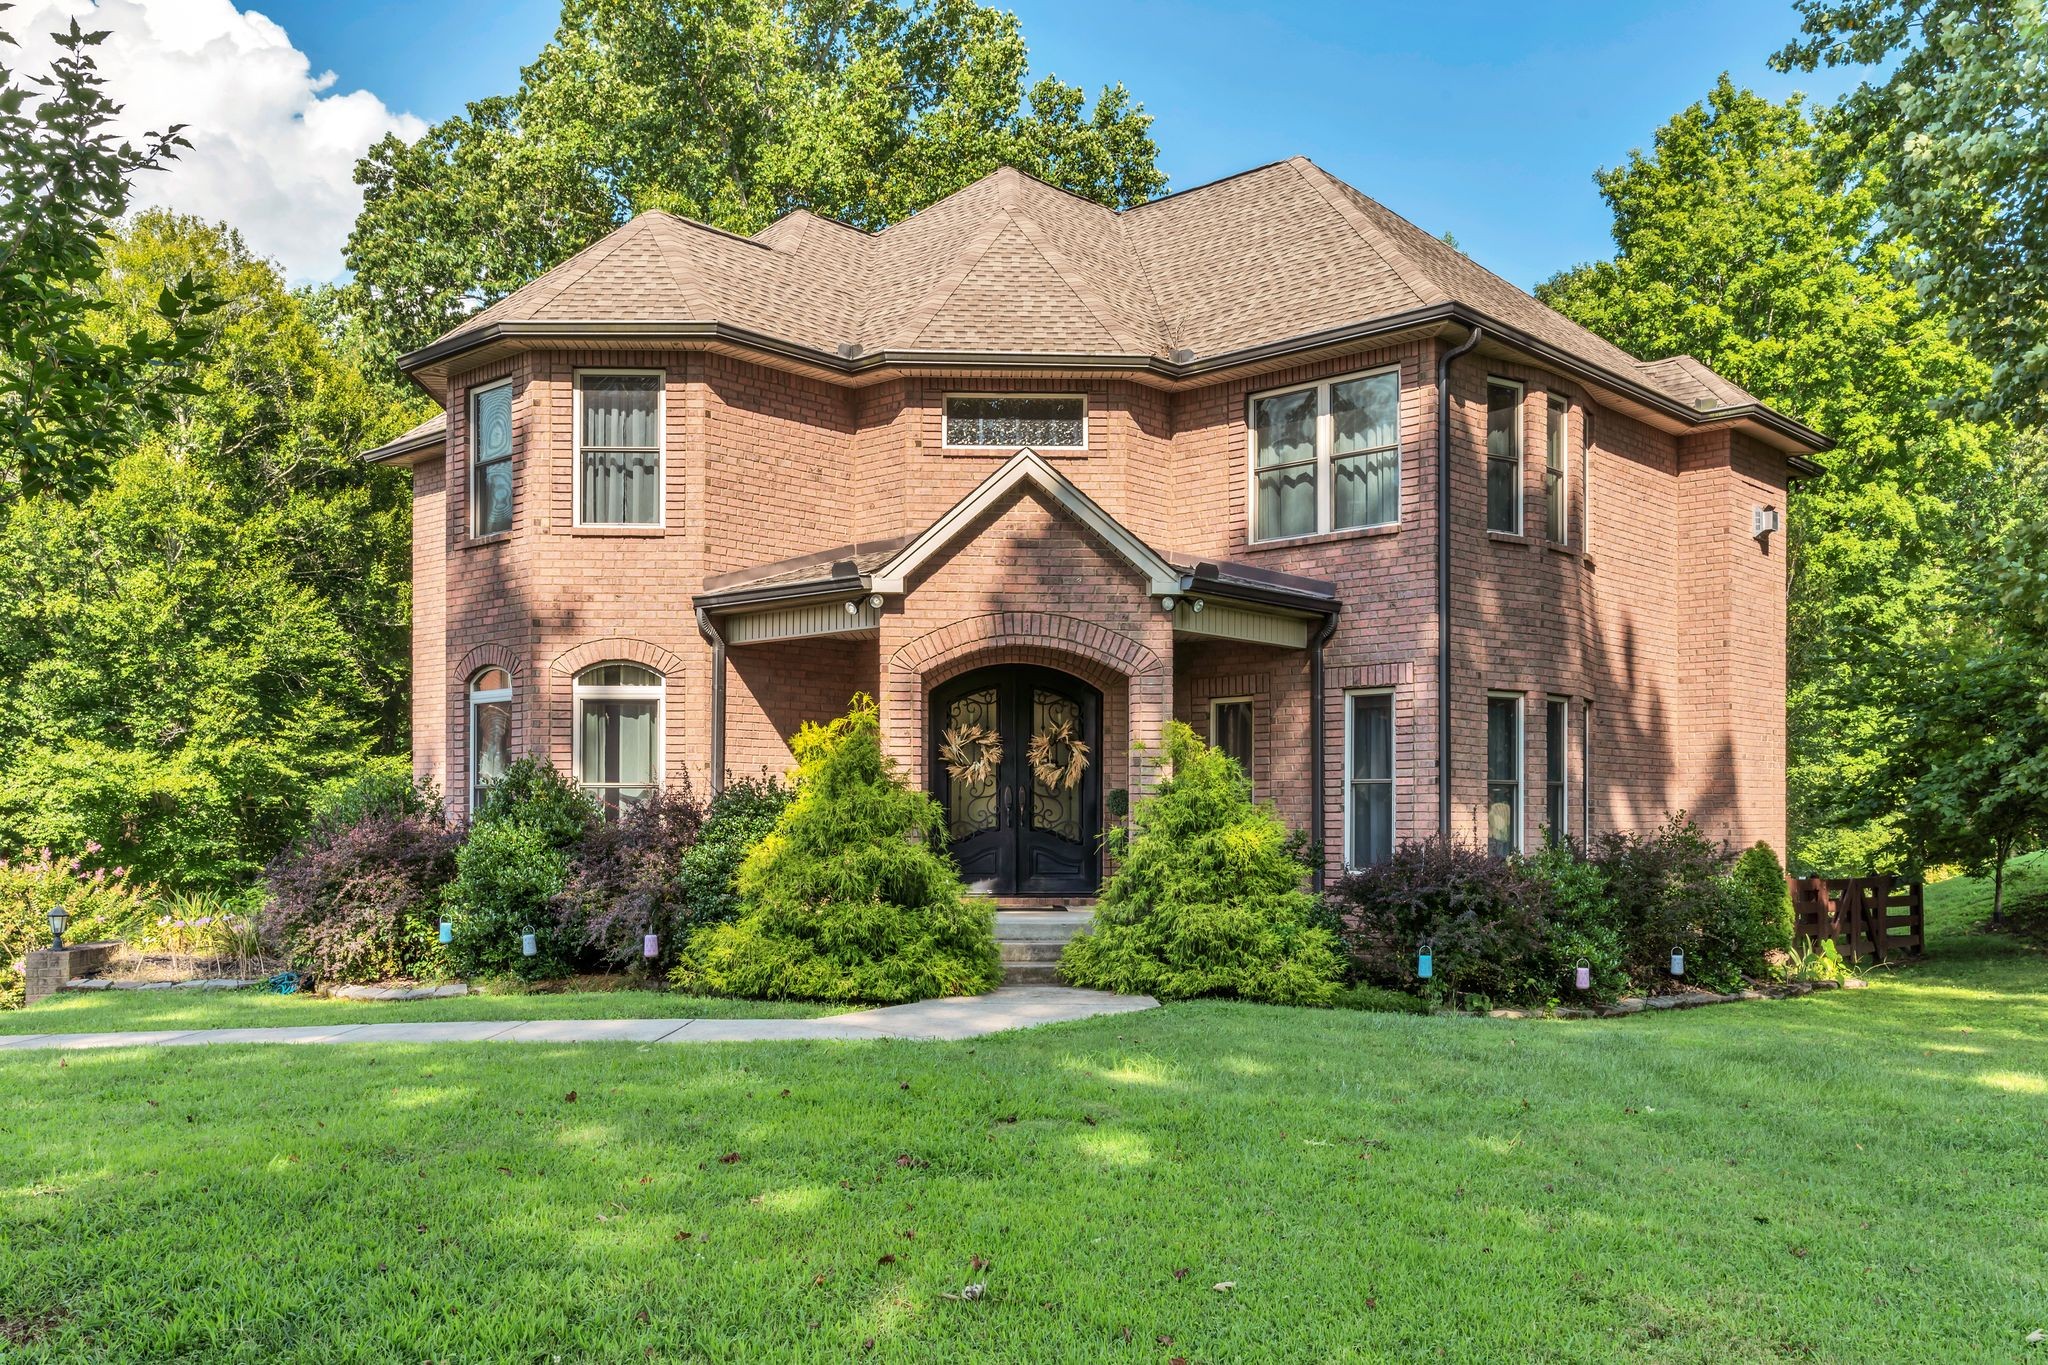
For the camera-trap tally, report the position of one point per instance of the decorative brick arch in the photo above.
(492, 655)
(525, 737)
(929, 653)
(616, 649)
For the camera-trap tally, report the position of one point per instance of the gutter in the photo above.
(1318, 801)
(708, 628)
(1443, 581)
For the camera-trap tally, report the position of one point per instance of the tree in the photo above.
(1953, 142)
(1732, 245)
(189, 651)
(68, 389)
(729, 111)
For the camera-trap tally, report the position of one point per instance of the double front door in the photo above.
(1017, 765)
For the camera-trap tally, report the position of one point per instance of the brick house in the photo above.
(1259, 455)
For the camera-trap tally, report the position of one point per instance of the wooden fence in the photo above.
(1879, 918)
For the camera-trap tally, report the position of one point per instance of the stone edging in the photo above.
(1638, 1004)
(218, 983)
(442, 992)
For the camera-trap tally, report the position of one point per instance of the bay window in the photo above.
(1503, 774)
(490, 460)
(1556, 732)
(490, 731)
(1504, 456)
(1556, 437)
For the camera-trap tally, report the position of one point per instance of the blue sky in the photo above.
(1485, 120)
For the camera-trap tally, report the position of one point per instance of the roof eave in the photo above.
(404, 450)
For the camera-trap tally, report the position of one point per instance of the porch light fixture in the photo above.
(1166, 605)
(1425, 963)
(527, 945)
(60, 920)
(875, 601)
(1195, 606)
(1582, 976)
(650, 945)
(447, 932)
(853, 608)
(1677, 962)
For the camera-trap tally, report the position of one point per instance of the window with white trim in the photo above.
(1504, 456)
(490, 731)
(1557, 712)
(1586, 772)
(1230, 729)
(1327, 456)
(618, 448)
(490, 460)
(1503, 773)
(618, 733)
(1368, 778)
(1556, 494)
(1017, 421)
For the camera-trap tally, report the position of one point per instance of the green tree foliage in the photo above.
(1952, 140)
(852, 897)
(190, 651)
(1733, 247)
(68, 383)
(1210, 898)
(738, 818)
(729, 111)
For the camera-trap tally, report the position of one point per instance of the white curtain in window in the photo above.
(621, 449)
(1284, 429)
(1365, 416)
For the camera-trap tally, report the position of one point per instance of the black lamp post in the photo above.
(60, 920)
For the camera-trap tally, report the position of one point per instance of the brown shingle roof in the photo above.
(1010, 264)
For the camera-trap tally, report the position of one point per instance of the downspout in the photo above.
(1317, 802)
(709, 630)
(1443, 581)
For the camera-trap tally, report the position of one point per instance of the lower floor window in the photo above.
(1556, 729)
(1230, 729)
(1369, 779)
(618, 734)
(490, 731)
(1504, 775)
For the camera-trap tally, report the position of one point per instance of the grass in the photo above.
(1850, 1176)
(115, 1011)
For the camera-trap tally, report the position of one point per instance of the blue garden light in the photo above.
(1425, 963)
(528, 944)
(1677, 962)
(447, 932)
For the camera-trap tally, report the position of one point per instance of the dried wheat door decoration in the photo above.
(971, 753)
(1058, 756)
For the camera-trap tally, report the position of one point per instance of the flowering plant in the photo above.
(103, 904)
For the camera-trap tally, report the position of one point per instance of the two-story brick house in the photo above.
(1260, 455)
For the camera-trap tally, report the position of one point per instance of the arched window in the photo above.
(490, 731)
(618, 733)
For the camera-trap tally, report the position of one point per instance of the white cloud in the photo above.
(273, 147)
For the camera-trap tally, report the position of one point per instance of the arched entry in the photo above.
(1015, 827)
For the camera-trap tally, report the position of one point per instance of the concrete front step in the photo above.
(1031, 940)
(1033, 950)
(1031, 974)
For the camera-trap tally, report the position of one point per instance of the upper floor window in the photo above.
(618, 733)
(1012, 421)
(1504, 456)
(490, 731)
(618, 449)
(1327, 456)
(1556, 437)
(1230, 729)
(490, 457)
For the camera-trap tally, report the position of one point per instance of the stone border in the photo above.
(446, 991)
(1639, 1004)
(210, 983)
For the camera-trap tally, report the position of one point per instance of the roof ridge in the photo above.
(1077, 281)
(1205, 185)
(687, 281)
(1428, 289)
(1170, 330)
(684, 220)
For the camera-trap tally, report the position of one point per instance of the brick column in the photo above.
(47, 969)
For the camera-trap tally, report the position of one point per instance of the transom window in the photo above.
(1327, 456)
(1230, 729)
(1556, 437)
(618, 733)
(490, 456)
(490, 731)
(1013, 421)
(1368, 778)
(618, 449)
(1504, 774)
(1504, 456)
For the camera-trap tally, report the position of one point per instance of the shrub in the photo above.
(625, 879)
(359, 902)
(507, 877)
(1671, 889)
(1584, 925)
(738, 818)
(1765, 926)
(849, 898)
(382, 786)
(1209, 897)
(532, 793)
(104, 904)
(1487, 920)
(1379, 1000)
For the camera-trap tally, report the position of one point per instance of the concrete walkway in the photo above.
(967, 1016)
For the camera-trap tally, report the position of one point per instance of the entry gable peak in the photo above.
(1027, 467)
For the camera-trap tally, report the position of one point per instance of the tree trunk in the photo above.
(1998, 882)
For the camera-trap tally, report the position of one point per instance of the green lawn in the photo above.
(112, 1011)
(1852, 1176)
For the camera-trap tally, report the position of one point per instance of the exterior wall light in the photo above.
(1166, 604)
(875, 601)
(1762, 521)
(60, 920)
(1195, 606)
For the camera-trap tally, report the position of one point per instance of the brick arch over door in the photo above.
(617, 649)
(492, 654)
(1136, 686)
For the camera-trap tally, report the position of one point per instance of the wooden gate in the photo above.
(1879, 918)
